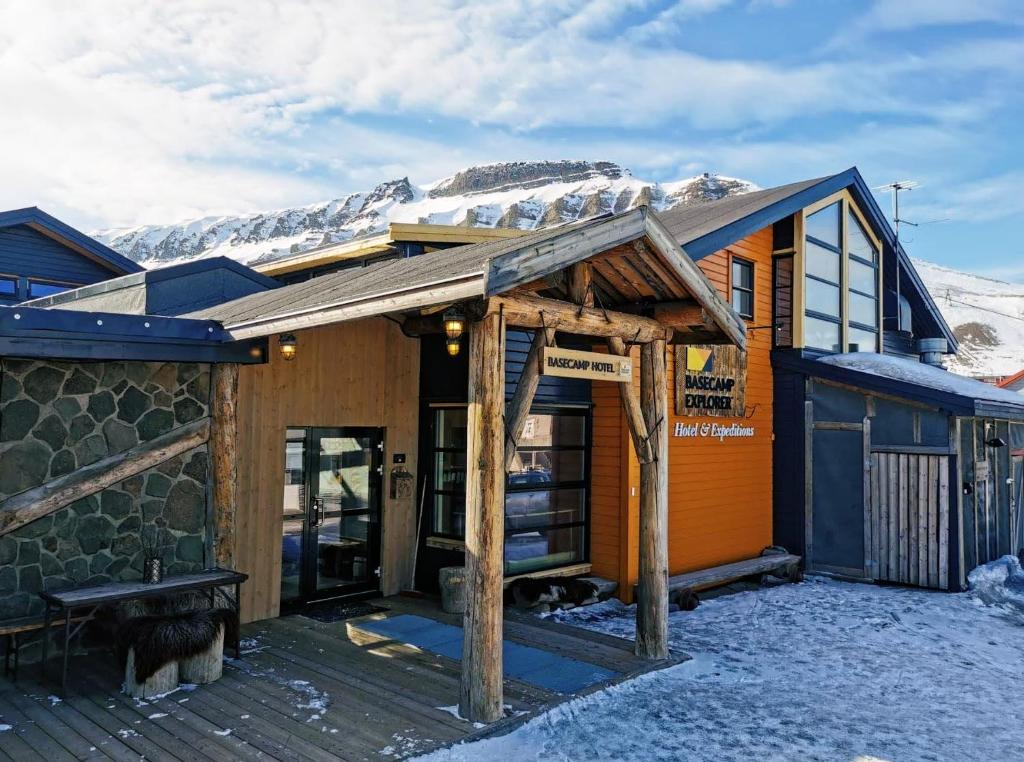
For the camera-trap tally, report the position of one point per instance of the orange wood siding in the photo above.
(720, 492)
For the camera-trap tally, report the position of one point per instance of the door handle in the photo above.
(317, 511)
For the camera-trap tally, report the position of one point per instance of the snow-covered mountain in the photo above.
(986, 315)
(523, 195)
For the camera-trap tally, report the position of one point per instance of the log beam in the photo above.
(536, 311)
(25, 507)
(631, 407)
(581, 278)
(224, 460)
(481, 683)
(526, 389)
(652, 589)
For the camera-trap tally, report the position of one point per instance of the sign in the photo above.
(719, 431)
(711, 381)
(572, 363)
(981, 470)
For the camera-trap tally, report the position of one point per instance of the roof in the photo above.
(909, 379)
(1013, 383)
(477, 270)
(74, 239)
(170, 290)
(706, 228)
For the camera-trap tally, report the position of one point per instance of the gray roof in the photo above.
(688, 223)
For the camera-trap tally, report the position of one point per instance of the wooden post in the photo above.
(481, 694)
(224, 460)
(652, 592)
(526, 389)
(580, 284)
(631, 407)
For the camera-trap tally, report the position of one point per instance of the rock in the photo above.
(36, 529)
(30, 579)
(8, 580)
(10, 387)
(94, 533)
(101, 406)
(91, 449)
(51, 430)
(113, 373)
(43, 383)
(171, 467)
(186, 372)
(125, 545)
(62, 463)
(196, 466)
(154, 423)
(151, 509)
(166, 376)
(28, 552)
(67, 408)
(132, 404)
(50, 543)
(8, 550)
(16, 606)
(115, 504)
(81, 426)
(49, 565)
(18, 419)
(68, 548)
(100, 563)
(187, 410)
(130, 524)
(120, 436)
(162, 399)
(199, 387)
(185, 507)
(24, 465)
(190, 549)
(139, 372)
(77, 569)
(80, 382)
(85, 506)
(157, 485)
(133, 485)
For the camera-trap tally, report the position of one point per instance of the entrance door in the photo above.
(330, 543)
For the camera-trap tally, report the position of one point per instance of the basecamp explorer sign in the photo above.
(710, 381)
(572, 363)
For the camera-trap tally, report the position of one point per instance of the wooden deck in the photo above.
(304, 690)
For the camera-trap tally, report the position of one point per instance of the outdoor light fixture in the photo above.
(288, 346)
(454, 327)
(996, 442)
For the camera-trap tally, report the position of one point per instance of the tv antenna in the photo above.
(895, 188)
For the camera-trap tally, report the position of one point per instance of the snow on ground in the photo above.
(823, 670)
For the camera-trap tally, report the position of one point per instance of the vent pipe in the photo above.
(932, 350)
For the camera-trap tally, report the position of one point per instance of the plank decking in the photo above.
(304, 690)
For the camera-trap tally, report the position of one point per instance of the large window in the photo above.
(545, 495)
(40, 288)
(743, 287)
(8, 289)
(840, 282)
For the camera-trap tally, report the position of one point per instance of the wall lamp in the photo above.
(288, 345)
(996, 442)
(454, 326)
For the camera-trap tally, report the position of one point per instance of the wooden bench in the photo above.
(12, 630)
(783, 565)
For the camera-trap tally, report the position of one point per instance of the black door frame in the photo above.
(309, 553)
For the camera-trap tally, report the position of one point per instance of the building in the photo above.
(1014, 383)
(632, 396)
(41, 256)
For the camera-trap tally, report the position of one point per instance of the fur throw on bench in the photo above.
(159, 640)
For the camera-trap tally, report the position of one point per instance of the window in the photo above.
(743, 287)
(38, 288)
(841, 264)
(782, 300)
(8, 289)
(546, 500)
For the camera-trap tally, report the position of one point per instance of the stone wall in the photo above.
(57, 416)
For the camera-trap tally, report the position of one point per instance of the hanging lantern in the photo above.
(454, 326)
(289, 346)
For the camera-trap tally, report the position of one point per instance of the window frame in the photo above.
(733, 287)
(776, 322)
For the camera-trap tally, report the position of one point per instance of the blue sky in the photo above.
(121, 113)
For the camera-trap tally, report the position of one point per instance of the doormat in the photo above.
(544, 669)
(337, 612)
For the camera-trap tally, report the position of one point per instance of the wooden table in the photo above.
(67, 601)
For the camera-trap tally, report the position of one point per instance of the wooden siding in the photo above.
(712, 519)
(29, 253)
(364, 373)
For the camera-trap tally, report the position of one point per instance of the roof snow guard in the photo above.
(478, 270)
(74, 335)
(912, 380)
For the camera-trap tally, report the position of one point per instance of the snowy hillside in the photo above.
(523, 195)
(986, 315)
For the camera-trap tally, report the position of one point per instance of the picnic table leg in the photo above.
(67, 648)
(17, 654)
(238, 621)
(46, 642)
(7, 654)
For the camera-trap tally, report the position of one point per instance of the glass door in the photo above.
(331, 527)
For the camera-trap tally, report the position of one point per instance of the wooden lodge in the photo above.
(637, 397)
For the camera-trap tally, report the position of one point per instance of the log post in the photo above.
(481, 684)
(631, 407)
(580, 283)
(526, 389)
(224, 460)
(652, 589)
